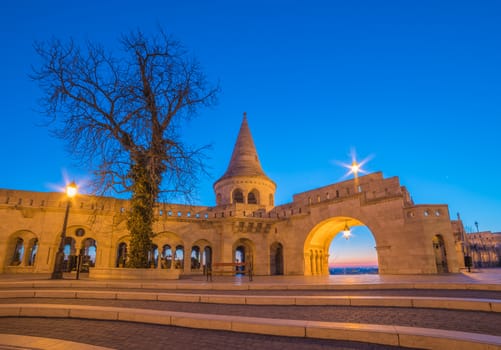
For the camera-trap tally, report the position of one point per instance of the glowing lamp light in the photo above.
(72, 189)
(355, 167)
(346, 231)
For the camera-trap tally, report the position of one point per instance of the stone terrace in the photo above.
(461, 311)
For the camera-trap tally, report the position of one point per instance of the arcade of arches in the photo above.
(245, 226)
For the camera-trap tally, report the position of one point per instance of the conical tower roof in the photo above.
(244, 160)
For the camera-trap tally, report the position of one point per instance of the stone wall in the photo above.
(409, 238)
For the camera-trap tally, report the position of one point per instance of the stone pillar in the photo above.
(186, 261)
(326, 264)
(26, 253)
(307, 264)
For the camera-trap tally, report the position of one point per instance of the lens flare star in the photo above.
(355, 167)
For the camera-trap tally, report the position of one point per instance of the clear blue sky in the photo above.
(414, 84)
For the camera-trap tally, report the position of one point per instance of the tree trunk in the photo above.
(140, 220)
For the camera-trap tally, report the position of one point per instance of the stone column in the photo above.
(307, 264)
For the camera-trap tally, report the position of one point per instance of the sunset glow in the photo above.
(358, 251)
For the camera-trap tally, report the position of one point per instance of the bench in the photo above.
(234, 268)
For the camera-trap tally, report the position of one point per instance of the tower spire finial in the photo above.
(244, 160)
(244, 180)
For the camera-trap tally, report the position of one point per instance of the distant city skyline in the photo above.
(413, 85)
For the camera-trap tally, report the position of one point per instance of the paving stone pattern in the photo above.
(459, 320)
(126, 335)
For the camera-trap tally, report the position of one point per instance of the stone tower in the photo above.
(245, 181)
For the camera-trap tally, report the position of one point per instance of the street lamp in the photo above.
(346, 231)
(57, 273)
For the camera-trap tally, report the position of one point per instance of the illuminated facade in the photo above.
(245, 225)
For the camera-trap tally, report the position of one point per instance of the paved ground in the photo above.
(122, 335)
(458, 320)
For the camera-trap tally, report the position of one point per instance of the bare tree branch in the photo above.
(121, 114)
(112, 110)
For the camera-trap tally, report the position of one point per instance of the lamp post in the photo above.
(57, 273)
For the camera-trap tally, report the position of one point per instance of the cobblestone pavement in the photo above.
(126, 335)
(459, 320)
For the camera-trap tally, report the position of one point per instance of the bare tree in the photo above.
(121, 115)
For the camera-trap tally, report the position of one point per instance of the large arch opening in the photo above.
(355, 254)
(340, 241)
(243, 252)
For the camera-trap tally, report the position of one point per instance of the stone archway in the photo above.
(170, 251)
(353, 252)
(276, 259)
(440, 254)
(317, 243)
(243, 251)
(70, 254)
(121, 254)
(21, 251)
(201, 255)
(88, 254)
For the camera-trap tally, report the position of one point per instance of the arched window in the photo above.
(17, 257)
(238, 196)
(195, 258)
(121, 255)
(440, 254)
(243, 254)
(167, 257)
(276, 259)
(207, 256)
(179, 257)
(33, 251)
(153, 256)
(88, 254)
(70, 254)
(240, 254)
(270, 199)
(253, 197)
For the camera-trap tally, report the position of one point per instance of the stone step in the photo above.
(371, 333)
(259, 283)
(471, 304)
